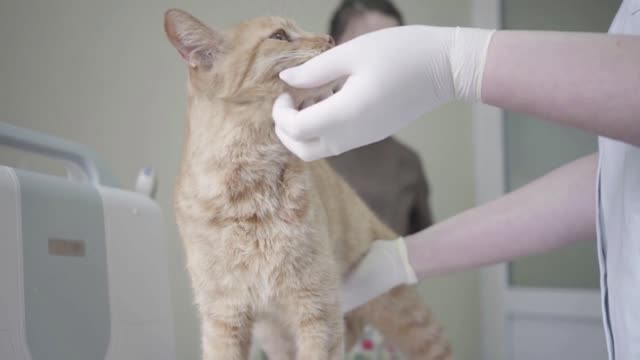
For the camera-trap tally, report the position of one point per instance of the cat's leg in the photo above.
(353, 327)
(226, 332)
(405, 320)
(314, 315)
(318, 330)
(274, 339)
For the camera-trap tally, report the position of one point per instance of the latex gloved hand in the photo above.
(394, 76)
(384, 267)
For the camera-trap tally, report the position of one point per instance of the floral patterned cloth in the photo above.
(370, 346)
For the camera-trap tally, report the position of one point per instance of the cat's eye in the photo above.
(280, 35)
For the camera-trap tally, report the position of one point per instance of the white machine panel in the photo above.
(12, 344)
(141, 321)
(94, 262)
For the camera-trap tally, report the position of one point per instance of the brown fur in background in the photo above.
(268, 236)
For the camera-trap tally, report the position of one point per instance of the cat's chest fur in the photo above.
(249, 248)
(245, 215)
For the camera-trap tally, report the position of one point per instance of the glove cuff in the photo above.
(411, 277)
(467, 57)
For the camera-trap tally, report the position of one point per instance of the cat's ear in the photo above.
(198, 44)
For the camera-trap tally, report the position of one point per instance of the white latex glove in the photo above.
(384, 267)
(395, 75)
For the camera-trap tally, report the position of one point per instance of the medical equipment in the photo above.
(146, 182)
(83, 264)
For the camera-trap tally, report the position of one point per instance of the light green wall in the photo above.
(102, 73)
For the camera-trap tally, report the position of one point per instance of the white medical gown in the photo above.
(619, 224)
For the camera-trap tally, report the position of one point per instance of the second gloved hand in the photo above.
(385, 266)
(394, 76)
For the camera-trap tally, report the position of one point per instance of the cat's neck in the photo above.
(235, 169)
(221, 133)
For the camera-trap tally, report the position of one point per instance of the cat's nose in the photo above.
(330, 40)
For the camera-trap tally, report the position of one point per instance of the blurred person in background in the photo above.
(386, 174)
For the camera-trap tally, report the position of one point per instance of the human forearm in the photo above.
(587, 81)
(555, 210)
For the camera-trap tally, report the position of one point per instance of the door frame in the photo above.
(500, 301)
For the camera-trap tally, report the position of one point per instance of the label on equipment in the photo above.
(64, 247)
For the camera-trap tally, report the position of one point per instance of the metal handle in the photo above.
(53, 147)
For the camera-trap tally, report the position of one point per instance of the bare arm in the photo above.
(587, 81)
(555, 210)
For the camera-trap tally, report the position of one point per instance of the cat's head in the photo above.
(244, 61)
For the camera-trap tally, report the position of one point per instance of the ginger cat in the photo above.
(267, 235)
